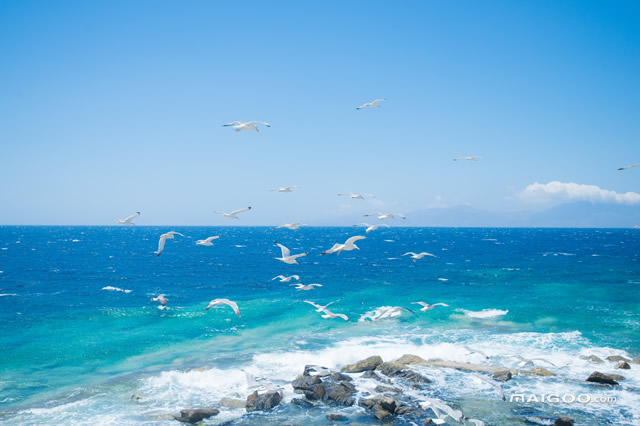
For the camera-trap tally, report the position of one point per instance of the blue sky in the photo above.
(107, 108)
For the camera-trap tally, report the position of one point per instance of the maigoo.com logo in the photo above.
(567, 398)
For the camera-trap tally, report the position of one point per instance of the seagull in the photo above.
(300, 286)
(357, 196)
(441, 410)
(233, 214)
(294, 225)
(320, 308)
(383, 216)
(329, 314)
(246, 125)
(285, 189)
(392, 311)
(207, 242)
(372, 227)
(169, 235)
(373, 104)
(465, 158)
(475, 351)
(286, 256)
(347, 246)
(493, 383)
(428, 307)
(163, 300)
(416, 256)
(284, 279)
(128, 220)
(529, 362)
(233, 305)
(629, 167)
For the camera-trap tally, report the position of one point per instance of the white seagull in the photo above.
(285, 189)
(347, 246)
(284, 279)
(207, 242)
(329, 314)
(390, 312)
(629, 167)
(233, 305)
(128, 220)
(294, 225)
(427, 306)
(383, 216)
(441, 410)
(372, 227)
(492, 382)
(233, 214)
(529, 361)
(465, 158)
(300, 286)
(163, 300)
(373, 104)
(286, 256)
(357, 196)
(475, 351)
(320, 308)
(246, 125)
(169, 235)
(416, 256)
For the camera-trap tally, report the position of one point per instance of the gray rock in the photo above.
(232, 403)
(196, 415)
(591, 358)
(380, 413)
(371, 375)
(339, 377)
(635, 361)
(411, 359)
(617, 358)
(623, 365)
(539, 371)
(504, 375)
(318, 370)
(616, 377)
(339, 393)
(333, 417)
(388, 369)
(383, 389)
(598, 377)
(564, 421)
(266, 401)
(301, 402)
(364, 365)
(315, 393)
(302, 383)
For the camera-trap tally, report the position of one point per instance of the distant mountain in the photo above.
(571, 215)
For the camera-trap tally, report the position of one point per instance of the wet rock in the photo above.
(336, 388)
(334, 417)
(591, 358)
(232, 403)
(317, 370)
(371, 375)
(340, 393)
(598, 377)
(504, 375)
(301, 402)
(266, 401)
(383, 389)
(196, 415)
(364, 365)
(388, 369)
(381, 406)
(315, 393)
(339, 377)
(635, 361)
(623, 365)
(563, 421)
(302, 383)
(616, 377)
(380, 413)
(539, 371)
(411, 359)
(617, 358)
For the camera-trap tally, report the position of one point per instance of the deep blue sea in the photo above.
(75, 352)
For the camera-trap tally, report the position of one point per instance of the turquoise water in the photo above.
(76, 352)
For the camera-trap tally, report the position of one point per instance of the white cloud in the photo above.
(557, 193)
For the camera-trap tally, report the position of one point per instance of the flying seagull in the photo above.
(207, 242)
(392, 311)
(428, 307)
(246, 125)
(475, 351)
(233, 305)
(441, 410)
(417, 256)
(328, 314)
(320, 308)
(493, 383)
(286, 255)
(357, 196)
(169, 235)
(529, 361)
(629, 167)
(373, 104)
(372, 227)
(300, 286)
(285, 189)
(294, 225)
(347, 246)
(465, 158)
(163, 300)
(233, 214)
(284, 279)
(128, 220)
(383, 216)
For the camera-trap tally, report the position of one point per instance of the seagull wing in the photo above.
(233, 305)
(354, 239)
(282, 277)
(161, 245)
(212, 238)
(235, 123)
(295, 256)
(333, 249)
(409, 310)
(235, 212)
(629, 167)
(409, 252)
(259, 122)
(313, 304)
(133, 216)
(495, 385)
(285, 251)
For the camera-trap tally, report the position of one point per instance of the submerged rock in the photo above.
(617, 358)
(389, 369)
(266, 401)
(232, 403)
(363, 365)
(301, 402)
(504, 375)
(539, 371)
(333, 417)
(616, 377)
(411, 359)
(598, 377)
(623, 365)
(591, 358)
(563, 421)
(196, 415)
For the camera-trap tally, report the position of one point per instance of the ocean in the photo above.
(82, 342)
